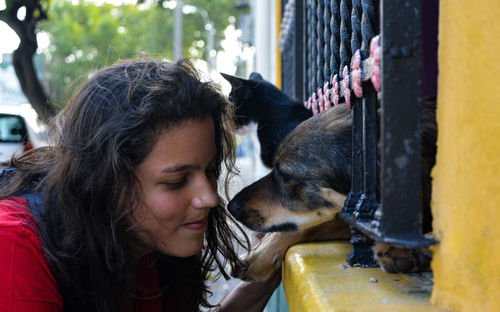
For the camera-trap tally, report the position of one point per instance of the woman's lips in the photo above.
(197, 225)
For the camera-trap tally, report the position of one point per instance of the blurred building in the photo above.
(259, 31)
(10, 90)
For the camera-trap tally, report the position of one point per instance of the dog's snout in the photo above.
(235, 209)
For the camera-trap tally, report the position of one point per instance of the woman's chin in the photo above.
(184, 251)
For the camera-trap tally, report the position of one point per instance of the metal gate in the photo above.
(367, 54)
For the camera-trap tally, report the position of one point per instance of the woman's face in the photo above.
(179, 187)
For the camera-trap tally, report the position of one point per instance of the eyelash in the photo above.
(176, 185)
(212, 170)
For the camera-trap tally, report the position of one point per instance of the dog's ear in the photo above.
(233, 80)
(255, 76)
(237, 82)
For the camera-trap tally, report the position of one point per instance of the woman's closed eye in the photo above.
(176, 183)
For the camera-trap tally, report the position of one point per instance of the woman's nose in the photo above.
(206, 195)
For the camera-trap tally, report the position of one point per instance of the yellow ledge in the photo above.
(316, 278)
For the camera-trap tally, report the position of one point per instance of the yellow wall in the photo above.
(466, 189)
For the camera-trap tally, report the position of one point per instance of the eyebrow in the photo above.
(180, 168)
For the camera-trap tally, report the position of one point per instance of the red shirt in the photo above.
(26, 282)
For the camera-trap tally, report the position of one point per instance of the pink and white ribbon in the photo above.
(345, 85)
(356, 75)
(375, 55)
(335, 90)
(314, 104)
(320, 100)
(326, 96)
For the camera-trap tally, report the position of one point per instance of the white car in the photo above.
(20, 130)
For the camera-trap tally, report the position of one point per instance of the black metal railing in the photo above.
(338, 57)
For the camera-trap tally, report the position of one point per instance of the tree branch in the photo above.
(23, 56)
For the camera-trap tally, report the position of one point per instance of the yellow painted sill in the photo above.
(316, 278)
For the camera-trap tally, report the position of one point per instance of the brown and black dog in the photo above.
(299, 199)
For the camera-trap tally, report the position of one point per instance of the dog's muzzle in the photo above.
(236, 210)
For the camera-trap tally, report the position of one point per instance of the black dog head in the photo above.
(309, 180)
(255, 99)
(244, 95)
(259, 101)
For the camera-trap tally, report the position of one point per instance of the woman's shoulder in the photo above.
(15, 213)
(26, 282)
(16, 221)
(14, 209)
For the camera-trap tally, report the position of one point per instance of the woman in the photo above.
(122, 213)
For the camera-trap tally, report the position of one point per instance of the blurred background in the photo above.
(49, 47)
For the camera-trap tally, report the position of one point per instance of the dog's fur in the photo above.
(275, 113)
(300, 198)
(307, 185)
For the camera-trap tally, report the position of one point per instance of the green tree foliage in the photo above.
(219, 12)
(85, 37)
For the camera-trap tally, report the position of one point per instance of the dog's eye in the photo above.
(276, 176)
(284, 176)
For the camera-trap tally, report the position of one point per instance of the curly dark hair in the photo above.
(87, 182)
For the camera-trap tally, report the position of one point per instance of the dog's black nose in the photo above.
(234, 208)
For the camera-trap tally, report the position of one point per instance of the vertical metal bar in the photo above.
(368, 203)
(319, 43)
(401, 117)
(327, 34)
(369, 25)
(361, 253)
(357, 158)
(335, 38)
(308, 39)
(299, 50)
(314, 63)
(287, 53)
(357, 116)
(356, 25)
(345, 34)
